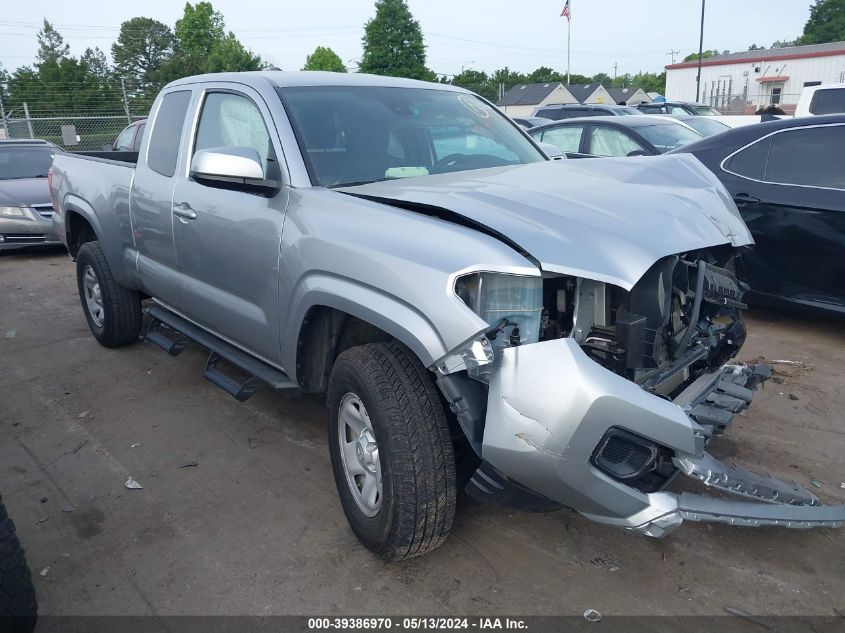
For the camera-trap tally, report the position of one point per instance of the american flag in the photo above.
(566, 13)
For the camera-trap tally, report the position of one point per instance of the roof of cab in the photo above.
(283, 79)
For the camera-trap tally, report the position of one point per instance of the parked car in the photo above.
(677, 107)
(18, 603)
(403, 248)
(129, 139)
(25, 208)
(615, 136)
(532, 121)
(578, 110)
(704, 125)
(787, 179)
(822, 99)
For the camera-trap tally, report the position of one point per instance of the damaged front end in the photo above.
(596, 397)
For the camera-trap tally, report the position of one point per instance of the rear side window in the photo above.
(566, 138)
(124, 141)
(163, 151)
(553, 114)
(811, 156)
(829, 101)
(751, 162)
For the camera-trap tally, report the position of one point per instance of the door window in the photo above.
(567, 138)
(809, 156)
(607, 141)
(230, 120)
(163, 151)
(750, 162)
(124, 141)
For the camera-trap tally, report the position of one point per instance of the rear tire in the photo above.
(407, 436)
(18, 606)
(113, 312)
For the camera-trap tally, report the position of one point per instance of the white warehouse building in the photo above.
(744, 82)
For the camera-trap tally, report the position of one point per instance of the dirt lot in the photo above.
(256, 527)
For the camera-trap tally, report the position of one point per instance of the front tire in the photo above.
(391, 451)
(18, 606)
(113, 312)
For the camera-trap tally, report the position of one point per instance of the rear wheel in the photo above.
(18, 607)
(391, 450)
(113, 312)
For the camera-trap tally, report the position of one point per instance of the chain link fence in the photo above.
(72, 133)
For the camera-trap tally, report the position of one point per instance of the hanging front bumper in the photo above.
(551, 410)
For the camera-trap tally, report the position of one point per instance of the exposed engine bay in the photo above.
(682, 318)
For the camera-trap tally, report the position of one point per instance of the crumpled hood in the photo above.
(24, 192)
(607, 219)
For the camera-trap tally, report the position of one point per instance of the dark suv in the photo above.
(573, 110)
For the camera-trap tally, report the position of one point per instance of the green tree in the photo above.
(393, 43)
(826, 23)
(142, 47)
(324, 58)
(51, 45)
(692, 57)
(199, 29)
(229, 55)
(603, 79)
(649, 82)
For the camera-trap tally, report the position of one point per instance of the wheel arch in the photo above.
(337, 314)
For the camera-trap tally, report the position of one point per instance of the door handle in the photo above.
(742, 199)
(184, 210)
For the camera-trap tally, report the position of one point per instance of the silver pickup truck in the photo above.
(542, 333)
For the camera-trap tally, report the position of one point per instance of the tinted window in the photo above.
(607, 141)
(677, 110)
(352, 135)
(652, 109)
(567, 138)
(229, 120)
(25, 162)
(809, 156)
(167, 132)
(751, 162)
(829, 101)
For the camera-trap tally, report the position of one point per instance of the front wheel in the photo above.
(113, 312)
(391, 450)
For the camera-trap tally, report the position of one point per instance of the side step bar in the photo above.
(259, 373)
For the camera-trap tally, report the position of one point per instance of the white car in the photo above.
(823, 99)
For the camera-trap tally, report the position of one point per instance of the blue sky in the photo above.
(483, 35)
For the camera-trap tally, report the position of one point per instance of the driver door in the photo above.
(228, 241)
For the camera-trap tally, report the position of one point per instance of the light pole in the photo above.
(700, 52)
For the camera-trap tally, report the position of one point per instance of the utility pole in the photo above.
(672, 53)
(28, 120)
(125, 100)
(615, 66)
(3, 118)
(700, 53)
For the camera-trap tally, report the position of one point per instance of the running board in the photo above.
(259, 372)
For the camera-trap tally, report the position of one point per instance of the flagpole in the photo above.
(568, 42)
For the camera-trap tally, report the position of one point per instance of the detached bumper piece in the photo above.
(714, 405)
(695, 507)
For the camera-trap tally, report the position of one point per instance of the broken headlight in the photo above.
(511, 304)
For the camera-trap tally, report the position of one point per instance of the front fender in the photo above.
(402, 321)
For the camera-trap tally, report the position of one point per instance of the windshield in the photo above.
(354, 135)
(706, 110)
(668, 136)
(25, 162)
(705, 126)
(626, 110)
